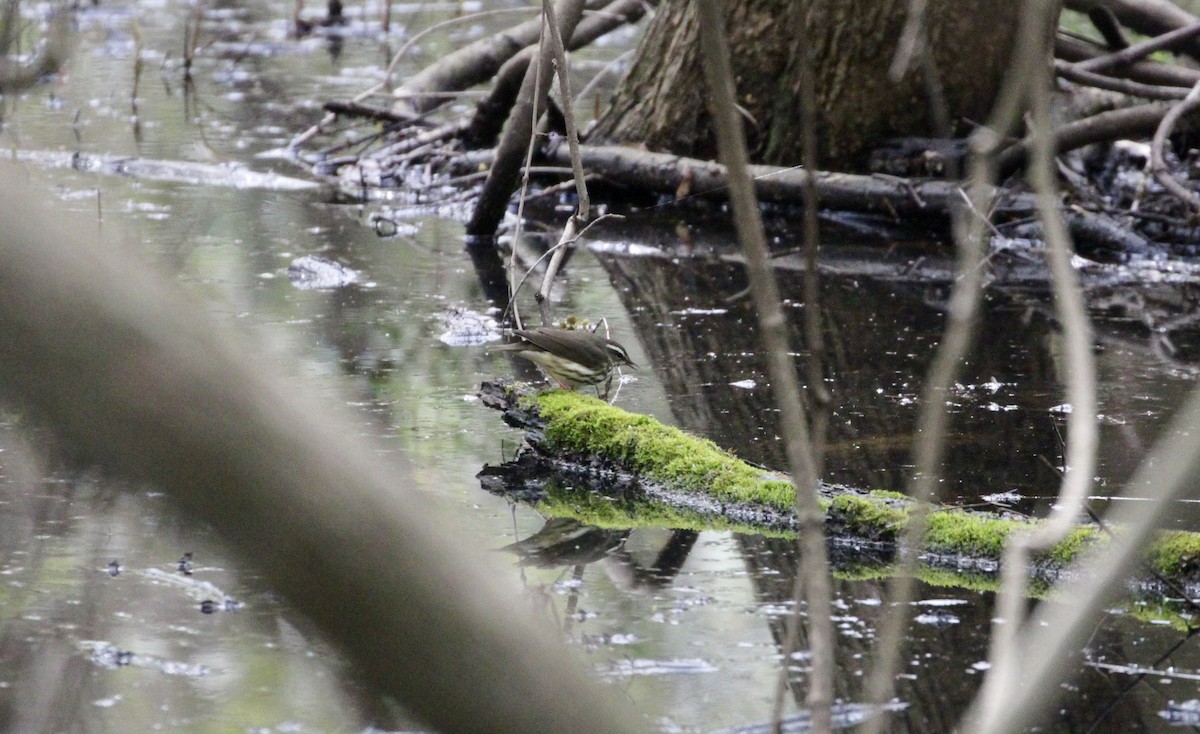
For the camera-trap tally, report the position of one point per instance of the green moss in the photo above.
(864, 571)
(1174, 553)
(868, 517)
(578, 423)
(610, 513)
(1078, 541)
(1175, 615)
(958, 531)
(582, 424)
(887, 494)
(948, 579)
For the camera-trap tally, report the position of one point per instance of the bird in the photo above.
(571, 357)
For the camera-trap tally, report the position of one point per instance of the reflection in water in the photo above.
(83, 648)
(716, 599)
(696, 322)
(692, 317)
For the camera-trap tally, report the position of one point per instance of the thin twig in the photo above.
(583, 210)
(991, 710)
(1141, 50)
(772, 322)
(971, 229)
(814, 339)
(396, 58)
(598, 77)
(534, 72)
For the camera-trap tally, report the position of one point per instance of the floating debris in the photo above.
(210, 597)
(229, 604)
(1003, 499)
(644, 666)
(1184, 713)
(230, 175)
(465, 328)
(114, 567)
(312, 273)
(184, 566)
(937, 619)
(107, 655)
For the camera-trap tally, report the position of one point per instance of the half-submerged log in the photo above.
(610, 468)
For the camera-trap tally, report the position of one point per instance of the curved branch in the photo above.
(1075, 73)
(15, 76)
(1105, 126)
(1158, 166)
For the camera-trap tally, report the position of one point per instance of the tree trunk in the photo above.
(851, 45)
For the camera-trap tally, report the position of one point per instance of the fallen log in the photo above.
(873, 194)
(606, 467)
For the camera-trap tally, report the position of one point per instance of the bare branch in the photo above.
(90, 337)
(772, 321)
(1073, 73)
(15, 76)
(1158, 166)
(1139, 51)
(515, 141)
(993, 711)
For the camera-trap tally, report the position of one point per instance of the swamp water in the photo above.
(686, 625)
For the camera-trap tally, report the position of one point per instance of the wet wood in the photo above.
(1100, 231)
(476, 63)
(876, 194)
(864, 527)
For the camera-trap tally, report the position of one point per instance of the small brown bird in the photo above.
(572, 357)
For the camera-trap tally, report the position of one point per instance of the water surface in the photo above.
(686, 625)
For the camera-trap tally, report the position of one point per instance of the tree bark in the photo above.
(852, 44)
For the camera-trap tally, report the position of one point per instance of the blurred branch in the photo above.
(993, 703)
(1158, 165)
(971, 230)
(814, 342)
(1051, 639)
(54, 52)
(117, 364)
(731, 144)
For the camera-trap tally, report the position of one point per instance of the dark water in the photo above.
(687, 626)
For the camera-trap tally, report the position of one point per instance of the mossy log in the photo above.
(611, 468)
